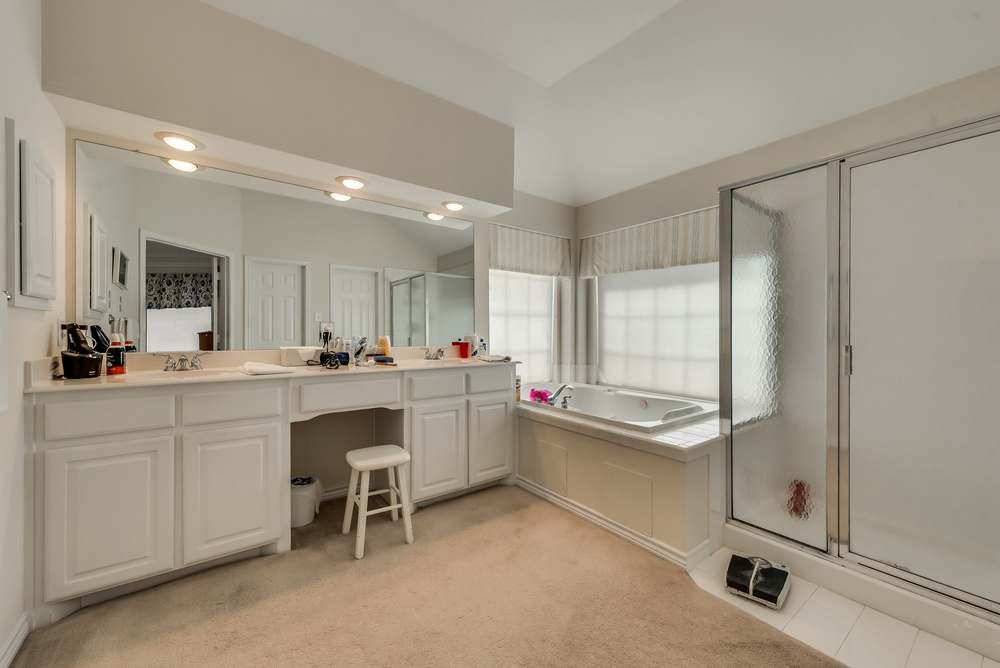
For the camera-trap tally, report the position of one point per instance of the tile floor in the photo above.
(848, 631)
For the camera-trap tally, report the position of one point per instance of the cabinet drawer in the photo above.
(209, 407)
(110, 416)
(436, 385)
(345, 395)
(490, 381)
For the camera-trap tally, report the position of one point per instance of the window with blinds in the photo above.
(659, 330)
(522, 322)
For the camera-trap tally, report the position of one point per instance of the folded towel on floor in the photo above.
(261, 369)
(493, 358)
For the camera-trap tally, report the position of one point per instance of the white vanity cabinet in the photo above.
(109, 514)
(491, 444)
(460, 429)
(145, 475)
(231, 490)
(439, 448)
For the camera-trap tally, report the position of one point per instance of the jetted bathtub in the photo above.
(629, 409)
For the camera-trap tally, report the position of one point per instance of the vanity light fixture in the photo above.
(181, 165)
(434, 216)
(352, 182)
(339, 197)
(453, 206)
(179, 141)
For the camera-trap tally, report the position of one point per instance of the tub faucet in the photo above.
(555, 395)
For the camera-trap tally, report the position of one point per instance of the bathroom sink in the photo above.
(199, 373)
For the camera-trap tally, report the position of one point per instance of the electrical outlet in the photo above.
(319, 317)
(61, 331)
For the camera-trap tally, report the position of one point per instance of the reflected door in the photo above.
(275, 303)
(925, 384)
(779, 355)
(353, 302)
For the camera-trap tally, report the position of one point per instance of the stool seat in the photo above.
(377, 457)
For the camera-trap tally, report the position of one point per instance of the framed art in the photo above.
(119, 268)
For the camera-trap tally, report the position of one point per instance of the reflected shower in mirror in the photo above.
(225, 261)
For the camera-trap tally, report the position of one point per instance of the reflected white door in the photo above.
(275, 303)
(353, 302)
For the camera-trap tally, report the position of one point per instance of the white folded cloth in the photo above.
(493, 358)
(261, 369)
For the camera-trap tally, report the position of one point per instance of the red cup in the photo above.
(464, 348)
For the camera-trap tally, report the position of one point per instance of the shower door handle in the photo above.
(847, 361)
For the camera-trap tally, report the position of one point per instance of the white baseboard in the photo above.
(14, 642)
(335, 492)
(687, 561)
(962, 628)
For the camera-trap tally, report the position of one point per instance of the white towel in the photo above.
(493, 358)
(261, 369)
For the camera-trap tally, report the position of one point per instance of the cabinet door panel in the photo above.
(232, 490)
(439, 448)
(109, 515)
(491, 448)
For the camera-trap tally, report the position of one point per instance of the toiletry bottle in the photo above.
(517, 389)
(475, 348)
(482, 347)
(116, 356)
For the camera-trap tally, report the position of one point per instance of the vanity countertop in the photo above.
(233, 374)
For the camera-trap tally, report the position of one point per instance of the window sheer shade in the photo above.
(527, 252)
(659, 330)
(522, 322)
(691, 238)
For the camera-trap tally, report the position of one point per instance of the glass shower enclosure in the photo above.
(861, 371)
(430, 309)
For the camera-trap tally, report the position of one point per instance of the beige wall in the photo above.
(961, 101)
(30, 332)
(539, 215)
(269, 89)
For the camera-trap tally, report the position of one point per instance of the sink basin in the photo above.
(200, 373)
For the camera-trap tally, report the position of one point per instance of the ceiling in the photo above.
(606, 95)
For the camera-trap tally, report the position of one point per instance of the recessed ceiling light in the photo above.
(434, 216)
(178, 141)
(352, 182)
(339, 197)
(453, 206)
(181, 165)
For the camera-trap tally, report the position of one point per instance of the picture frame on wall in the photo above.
(119, 268)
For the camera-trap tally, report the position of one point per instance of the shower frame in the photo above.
(838, 361)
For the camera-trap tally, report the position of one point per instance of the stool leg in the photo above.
(392, 491)
(359, 550)
(349, 510)
(405, 500)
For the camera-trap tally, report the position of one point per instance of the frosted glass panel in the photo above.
(401, 313)
(779, 349)
(450, 304)
(925, 330)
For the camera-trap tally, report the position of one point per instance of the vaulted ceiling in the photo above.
(606, 95)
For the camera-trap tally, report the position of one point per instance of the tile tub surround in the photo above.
(857, 635)
(664, 492)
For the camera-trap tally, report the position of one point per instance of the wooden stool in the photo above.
(364, 461)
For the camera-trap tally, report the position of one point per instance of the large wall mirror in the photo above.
(217, 260)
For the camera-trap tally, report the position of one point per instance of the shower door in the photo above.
(921, 499)
(783, 301)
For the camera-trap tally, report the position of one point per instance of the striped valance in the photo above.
(527, 252)
(690, 238)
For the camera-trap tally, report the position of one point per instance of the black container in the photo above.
(116, 359)
(81, 365)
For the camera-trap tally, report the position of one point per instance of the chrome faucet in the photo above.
(182, 363)
(171, 363)
(436, 355)
(555, 395)
(196, 361)
(359, 351)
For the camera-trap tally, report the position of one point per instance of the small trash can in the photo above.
(306, 496)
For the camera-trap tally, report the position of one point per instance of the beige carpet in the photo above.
(496, 578)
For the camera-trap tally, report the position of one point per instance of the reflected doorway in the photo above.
(186, 296)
